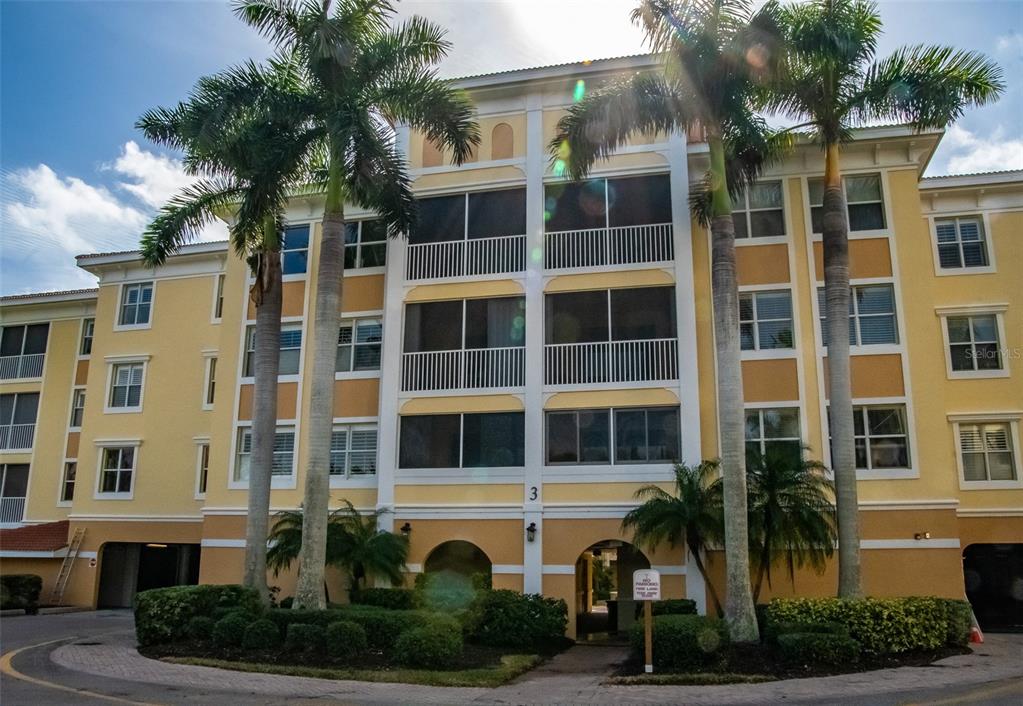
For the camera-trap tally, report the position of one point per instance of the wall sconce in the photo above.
(406, 530)
(531, 532)
(922, 535)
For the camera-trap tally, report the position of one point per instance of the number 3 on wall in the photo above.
(533, 493)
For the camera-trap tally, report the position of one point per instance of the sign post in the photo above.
(646, 587)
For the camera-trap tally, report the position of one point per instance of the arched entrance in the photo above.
(603, 589)
(459, 557)
(451, 574)
(994, 585)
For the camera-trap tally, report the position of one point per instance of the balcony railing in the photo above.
(597, 247)
(611, 361)
(14, 367)
(12, 510)
(17, 436)
(476, 368)
(465, 258)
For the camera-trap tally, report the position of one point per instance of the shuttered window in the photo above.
(353, 451)
(765, 320)
(126, 386)
(871, 315)
(961, 242)
(987, 452)
(283, 453)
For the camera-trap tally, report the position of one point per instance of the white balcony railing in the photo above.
(465, 258)
(14, 367)
(12, 510)
(611, 361)
(17, 436)
(597, 247)
(476, 368)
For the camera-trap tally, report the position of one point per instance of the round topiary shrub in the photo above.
(683, 642)
(345, 639)
(261, 635)
(200, 628)
(229, 630)
(436, 645)
(304, 637)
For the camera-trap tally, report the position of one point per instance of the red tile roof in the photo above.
(47, 537)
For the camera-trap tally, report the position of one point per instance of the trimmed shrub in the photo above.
(880, 625)
(302, 637)
(672, 606)
(163, 614)
(200, 627)
(774, 630)
(436, 645)
(345, 639)
(683, 642)
(960, 619)
(818, 648)
(229, 631)
(383, 626)
(505, 618)
(21, 591)
(261, 634)
(392, 598)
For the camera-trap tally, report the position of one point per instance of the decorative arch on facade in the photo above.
(459, 557)
(432, 156)
(502, 142)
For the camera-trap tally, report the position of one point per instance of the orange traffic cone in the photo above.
(976, 636)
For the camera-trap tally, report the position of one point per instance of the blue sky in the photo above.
(75, 176)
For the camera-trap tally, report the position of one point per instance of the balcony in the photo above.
(12, 510)
(466, 258)
(15, 367)
(611, 362)
(602, 247)
(468, 369)
(17, 436)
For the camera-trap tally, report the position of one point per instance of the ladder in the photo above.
(57, 594)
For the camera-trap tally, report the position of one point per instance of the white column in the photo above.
(532, 505)
(696, 587)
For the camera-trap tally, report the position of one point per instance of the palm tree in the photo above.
(791, 516)
(355, 543)
(832, 81)
(248, 163)
(366, 76)
(714, 53)
(691, 515)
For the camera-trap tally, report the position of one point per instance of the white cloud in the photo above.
(1011, 43)
(156, 176)
(966, 152)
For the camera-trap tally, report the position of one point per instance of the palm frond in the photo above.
(184, 216)
(277, 20)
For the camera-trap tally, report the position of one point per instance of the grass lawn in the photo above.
(510, 667)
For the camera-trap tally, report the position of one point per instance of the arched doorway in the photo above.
(994, 585)
(451, 574)
(458, 556)
(603, 589)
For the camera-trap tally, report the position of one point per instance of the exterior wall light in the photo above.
(406, 530)
(531, 532)
(922, 535)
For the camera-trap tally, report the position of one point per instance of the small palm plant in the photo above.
(691, 516)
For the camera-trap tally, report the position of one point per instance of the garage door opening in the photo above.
(127, 568)
(994, 585)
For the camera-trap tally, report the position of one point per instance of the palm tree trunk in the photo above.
(267, 295)
(327, 316)
(765, 562)
(739, 609)
(836, 302)
(695, 552)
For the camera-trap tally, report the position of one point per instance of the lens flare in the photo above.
(580, 90)
(559, 168)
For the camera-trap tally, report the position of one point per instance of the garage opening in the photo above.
(130, 567)
(603, 589)
(994, 585)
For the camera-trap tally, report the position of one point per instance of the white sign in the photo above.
(646, 585)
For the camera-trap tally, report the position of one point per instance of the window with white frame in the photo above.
(353, 450)
(283, 454)
(117, 469)
(136, 304)
(759, 212)
(485, 440)
(209, 393)
(291, 350)
(961, 242)
(126, 386)
(23, 350)
(773, 432)
(67, 482)
(358, 345)
(864, 202)
(881, 437)
(636, 435)
(872, 319)
(295, 250)
(77, 407)
(973, 343)
(218, 298)
(365, 244)
(765, 320)
(203, 471)
(88, 329)
(987, 451)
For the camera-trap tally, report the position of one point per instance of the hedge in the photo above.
(775, 629)
(882, 625)
(20, 591)
(345, 639)
(675, 606)
(304, 637)
(683, 642)
(505, 618)
(382, 626)
(261, 634)
(818, 648)
(392, 598)
(200, 627)
(163, 614)
(435, 645)
(229, 631)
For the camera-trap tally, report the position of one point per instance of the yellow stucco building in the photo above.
(509, 376)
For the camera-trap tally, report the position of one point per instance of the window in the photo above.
(211, 383)
(365, 244)
(77, 407)
(358, 345)
(641, 313)
(291, 349)
(468, 324)
(295, 250)
(13, 491)
(67, 483)
(203, 472)
(481, 214)
(973, 343)
(88, 329)
(607, 203)
(136, 304)
(491, 440)
(646, 435)
(22, 351)
(871, 315)
(582, 436)
(773, 432)
(640, 435)
(961, 242)
(987, 452)
(218, 298)
(18, 420)
(283, 453)
(353, 451)
(126, 386)
(881, 437)
(117, 469)
(759, 213)
(765, 320)
(864, 202)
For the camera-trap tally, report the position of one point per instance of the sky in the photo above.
(77, 177)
